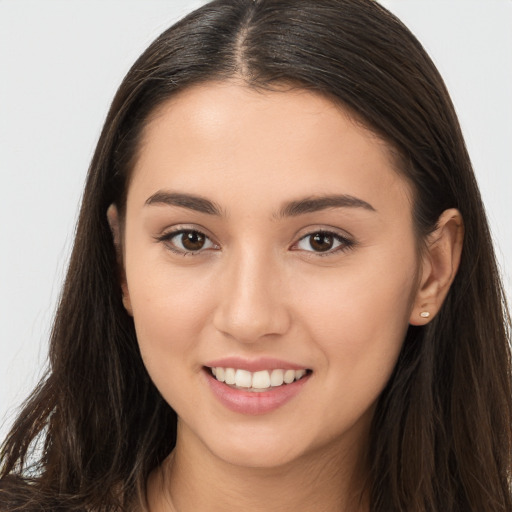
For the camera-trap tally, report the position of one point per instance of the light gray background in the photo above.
(60, 64)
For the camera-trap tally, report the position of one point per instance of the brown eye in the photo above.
(187, 241)
(193, 240)
(321, 242)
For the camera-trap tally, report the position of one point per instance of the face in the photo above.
(268, 240)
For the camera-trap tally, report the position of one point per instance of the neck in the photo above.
(326, 480)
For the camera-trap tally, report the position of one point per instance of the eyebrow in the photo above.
(290, 209)
(315, 204)
(192, 202)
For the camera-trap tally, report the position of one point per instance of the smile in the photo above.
(264, 389)
(258, 381)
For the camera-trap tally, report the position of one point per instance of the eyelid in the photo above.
(169, 233)
(174, 228)
(347, 241)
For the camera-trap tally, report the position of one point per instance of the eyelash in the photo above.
(166, 238)
(345, 244)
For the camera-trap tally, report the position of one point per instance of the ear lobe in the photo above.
(115, 228)
(440, 264)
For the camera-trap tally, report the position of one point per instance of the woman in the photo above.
(283, 292)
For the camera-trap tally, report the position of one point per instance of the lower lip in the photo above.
(254, 402)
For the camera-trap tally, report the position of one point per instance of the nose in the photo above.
(251, 302)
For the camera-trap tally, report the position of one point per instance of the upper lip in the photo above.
(254, 365)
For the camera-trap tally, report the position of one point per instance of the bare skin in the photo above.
(271, 225)
(287, 487)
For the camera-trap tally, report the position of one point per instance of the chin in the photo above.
(255, 457)
(255, 448)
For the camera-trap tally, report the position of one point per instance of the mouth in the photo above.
(259, 381)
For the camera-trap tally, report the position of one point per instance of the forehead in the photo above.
(219, 138)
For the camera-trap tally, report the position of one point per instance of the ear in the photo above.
(115, 227)
(439, 265)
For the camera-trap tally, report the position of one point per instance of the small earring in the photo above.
(424, 314)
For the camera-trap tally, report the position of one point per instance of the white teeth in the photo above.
(229, 376)
(220, 374)
(277, 377)
(289, 376)
(261, 380)
(299, 374)
(257, 381)
(243, 379)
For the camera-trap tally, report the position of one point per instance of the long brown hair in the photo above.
(95, 427)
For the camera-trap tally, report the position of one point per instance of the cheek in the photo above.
(378, 291)
(358, 316)
(358, 323)
(169, 307)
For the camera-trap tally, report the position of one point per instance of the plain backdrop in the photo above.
(60, 64)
